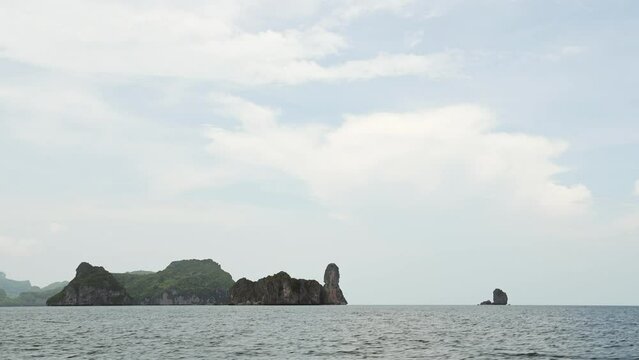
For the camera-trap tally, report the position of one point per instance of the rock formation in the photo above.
(499, 298)
(92, 285)
(278, 289)
(282, 289)
(184, 282)
(194, 282)
(332, 294)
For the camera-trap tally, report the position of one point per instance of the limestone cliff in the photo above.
(92, 285)
(278, 289)
(499, 298)
(332, 294)
(282, 289)
(184, 282)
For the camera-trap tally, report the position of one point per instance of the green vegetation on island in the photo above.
(185, 281)
(92, 285)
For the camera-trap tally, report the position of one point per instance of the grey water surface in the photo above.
(343, 332)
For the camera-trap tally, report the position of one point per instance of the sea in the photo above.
(320, 332)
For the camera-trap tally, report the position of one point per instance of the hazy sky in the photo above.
(434, 150)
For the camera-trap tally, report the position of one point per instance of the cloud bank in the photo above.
(202, 40)
(454, 150)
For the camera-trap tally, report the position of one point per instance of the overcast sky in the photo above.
(434, 150)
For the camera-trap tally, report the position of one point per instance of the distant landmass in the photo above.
(13, 288)
(22, 293)
(194, 282)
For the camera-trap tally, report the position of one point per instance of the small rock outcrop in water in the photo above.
(499, 298)
(282, 289)
(332, 294)
(92, 285)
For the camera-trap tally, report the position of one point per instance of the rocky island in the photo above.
(282, 289)
(92, 285)
(499, 298)
(194, 282)
(186, 282)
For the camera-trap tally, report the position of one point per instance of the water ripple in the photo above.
(348, 332)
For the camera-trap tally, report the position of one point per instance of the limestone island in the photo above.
(281, 289)
(499, 298)
(194, 282)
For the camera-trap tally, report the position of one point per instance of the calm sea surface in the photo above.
(346, 332)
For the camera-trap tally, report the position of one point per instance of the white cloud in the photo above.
(637, 187)
(204, 41)
(10, 246)
(446, 152)
(450, 152)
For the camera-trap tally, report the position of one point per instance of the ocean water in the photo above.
(341, 332)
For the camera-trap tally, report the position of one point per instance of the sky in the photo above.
(434, 150)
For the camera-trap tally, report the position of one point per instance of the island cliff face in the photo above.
(194, 282)
(332, 294)
(282, 289)
(185, 282)
(499, 298)
(278, 289)
(92, 285)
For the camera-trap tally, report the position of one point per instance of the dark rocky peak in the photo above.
(282, 275)
(277, 289)
(86, 268)
(332, 294)
(282, 289)
(331, 275)
(499, 298)
(193, 265)
(92, 285)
